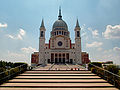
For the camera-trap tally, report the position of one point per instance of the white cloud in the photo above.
(18, 36)
(100, 49)
(17, 57)
(116, 49)
(10, 36)
(94, 32)
(83, 27)
(3, 25)
(83, 34)
(108, 51)
(22, 32)
(13, 54)
(94, 44)
(90, 29)
(24, 55)
(28, 50)
(112, 54)
(112, 32)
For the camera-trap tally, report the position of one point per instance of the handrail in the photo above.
(80, 66)
(51, 66)
(113, 79)
(106, 70)
(67, 65)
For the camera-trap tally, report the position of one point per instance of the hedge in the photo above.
(8, 74)
(90, 65)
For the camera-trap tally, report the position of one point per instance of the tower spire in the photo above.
(60, 16)
(42, 24)
(77, 23)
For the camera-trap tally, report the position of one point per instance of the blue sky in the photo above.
(20, 21)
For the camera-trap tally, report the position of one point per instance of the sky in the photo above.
(20, 21)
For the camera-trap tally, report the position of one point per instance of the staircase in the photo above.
(38, 79)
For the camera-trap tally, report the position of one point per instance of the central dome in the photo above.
(60, 24)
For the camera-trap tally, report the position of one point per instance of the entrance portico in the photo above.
(60, 58)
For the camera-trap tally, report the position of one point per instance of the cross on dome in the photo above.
(60, 16)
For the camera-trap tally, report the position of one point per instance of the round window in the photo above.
(59, 43)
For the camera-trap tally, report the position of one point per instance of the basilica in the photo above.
(60, 48)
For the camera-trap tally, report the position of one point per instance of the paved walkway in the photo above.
(63, 79)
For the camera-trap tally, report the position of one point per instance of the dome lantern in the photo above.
(60, 24)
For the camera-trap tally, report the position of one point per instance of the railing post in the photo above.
(8, 74)
(113, 80)
(104, 74)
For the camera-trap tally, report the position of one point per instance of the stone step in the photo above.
(26, 74)
(59, 85)
(58, 80)
(59, 72)
(110, 88)
(56, 75)
(54, 82)
(59, 77)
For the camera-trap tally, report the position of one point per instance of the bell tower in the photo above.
(42, 44)
(77, 44)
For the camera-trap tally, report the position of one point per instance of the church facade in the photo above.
(60, 49)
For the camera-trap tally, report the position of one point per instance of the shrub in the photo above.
(99, 64)
(100, 72)
(93, 70)
(6, 73)
(19, 63)
(113, 68)
(12, 69)
(16, 70)
(2, 69)
(119, 72)
(117, 82)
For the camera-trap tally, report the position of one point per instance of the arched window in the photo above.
(78, 34)
(41, 35)
(59, 32)
(55, 33)
(62, 32)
